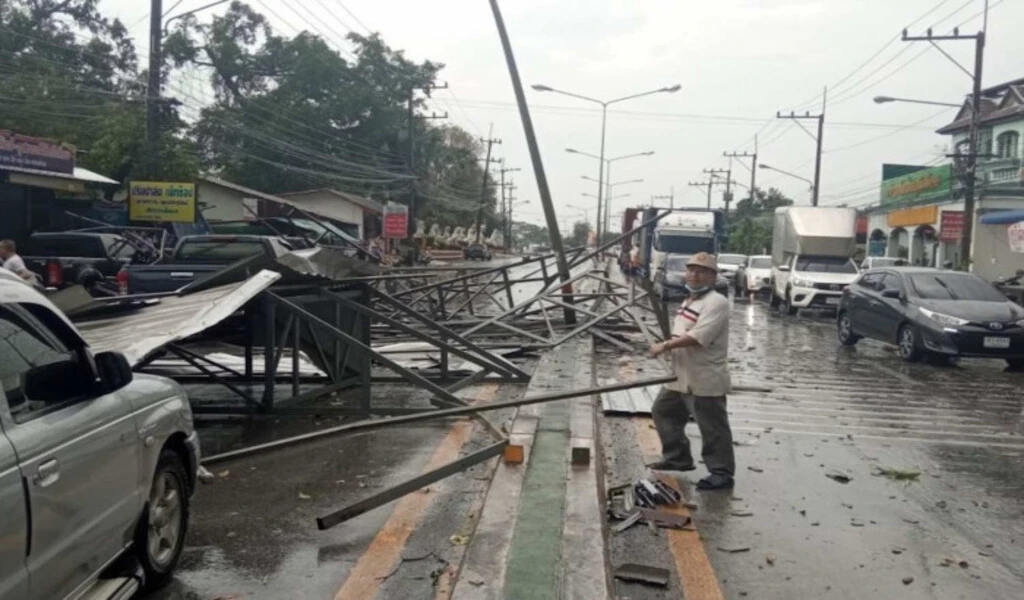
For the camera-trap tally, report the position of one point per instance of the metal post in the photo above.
(600, 174)
(538, 166)
(156, 12)
(817, 156)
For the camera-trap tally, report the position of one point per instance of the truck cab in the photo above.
(684, 232)
(811, 257)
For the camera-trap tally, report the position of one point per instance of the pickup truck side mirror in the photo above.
(891, 293)
(114, 370)
(784, 268)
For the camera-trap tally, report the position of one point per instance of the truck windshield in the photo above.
(683, 244)
(217, 252)
(825, 264)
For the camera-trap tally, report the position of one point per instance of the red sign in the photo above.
(396, 221)
(952, 226)
(34, 153)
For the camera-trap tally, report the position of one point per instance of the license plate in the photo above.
(1000, 343)
(832, 301)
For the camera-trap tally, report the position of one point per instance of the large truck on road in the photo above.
(812, 250)
(682, 232)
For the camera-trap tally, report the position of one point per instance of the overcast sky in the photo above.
(738, 62)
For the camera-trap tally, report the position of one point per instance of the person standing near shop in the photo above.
(700, 348)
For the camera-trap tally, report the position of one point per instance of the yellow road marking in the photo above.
(384, 552)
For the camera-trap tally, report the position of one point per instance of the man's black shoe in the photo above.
(715, 481)
(662, 465)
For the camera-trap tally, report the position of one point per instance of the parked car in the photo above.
(932, 312)
(878, 262)
(88, 259)
(729, 264)
(97, 465)
(754, 275)
(476, 252)
(196, 257)
(670, 279)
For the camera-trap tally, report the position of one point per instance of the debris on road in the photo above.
(628, 522)
(770, 559)
(734, 549)
(741, 513)
(898, 474)
(755, 469)
(839, 476)
(459, 540)
(908, 580)
(643, 574)
(666, 520)
(898, 550)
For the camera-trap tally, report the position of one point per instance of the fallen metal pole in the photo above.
(427, 415)
(407, 487)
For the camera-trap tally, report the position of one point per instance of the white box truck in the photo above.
(811, 256)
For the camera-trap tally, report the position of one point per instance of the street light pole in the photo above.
(604, 120)
(787, 173)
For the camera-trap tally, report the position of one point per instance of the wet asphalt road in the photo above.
(801, 534)
(789, 531)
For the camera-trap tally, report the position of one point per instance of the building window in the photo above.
(985, 142)
(1007, 144)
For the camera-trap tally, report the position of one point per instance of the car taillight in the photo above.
(122, 282)
(54, 274)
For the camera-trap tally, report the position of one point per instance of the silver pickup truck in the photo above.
(97, 464)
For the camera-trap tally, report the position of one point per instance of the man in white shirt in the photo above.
(12, 262)
(700, 348)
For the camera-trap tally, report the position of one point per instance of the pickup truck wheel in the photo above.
(788, 305)
(160, 536)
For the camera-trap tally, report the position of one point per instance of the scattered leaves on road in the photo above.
(304, 496)
(898, 474)
(459, 540)
(770, 559)
(908, 580)
(742, 513)
(756, 469)
(734, 549)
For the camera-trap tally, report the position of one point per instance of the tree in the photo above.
(292, 113)
(752, 223)
(71, 75)
(580, 234)
(527, 234)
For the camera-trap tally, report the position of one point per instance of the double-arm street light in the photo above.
(608, 163)
(787, 173)
(604, 119)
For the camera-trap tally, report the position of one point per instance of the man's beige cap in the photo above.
(703, 259)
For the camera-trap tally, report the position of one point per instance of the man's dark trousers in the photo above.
(672, 411)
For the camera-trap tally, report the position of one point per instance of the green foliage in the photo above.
(578, 235)
(752, 223)
(526, 234)
(287, 113)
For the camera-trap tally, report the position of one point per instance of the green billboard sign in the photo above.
(935, 181)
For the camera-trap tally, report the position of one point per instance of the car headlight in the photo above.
(942, 319)
(798, 282)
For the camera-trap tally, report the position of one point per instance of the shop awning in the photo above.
(1003, 217)
(67, 182)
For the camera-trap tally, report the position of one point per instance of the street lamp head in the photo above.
(571, 151)
(884, 99)
(673, 89)
(763, 166)
(541, 88)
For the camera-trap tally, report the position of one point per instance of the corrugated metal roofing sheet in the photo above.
(637, 401)
(174, 318)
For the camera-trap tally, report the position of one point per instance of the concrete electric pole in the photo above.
(820, 118)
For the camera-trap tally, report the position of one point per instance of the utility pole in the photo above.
(538, 165)
(671, 197)
(708, 184)
(716, 174)
(412, 147)
(753, 165)
(820, 118)
(483, 191)
(506, 225)
(156, 37)
(969, 169)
